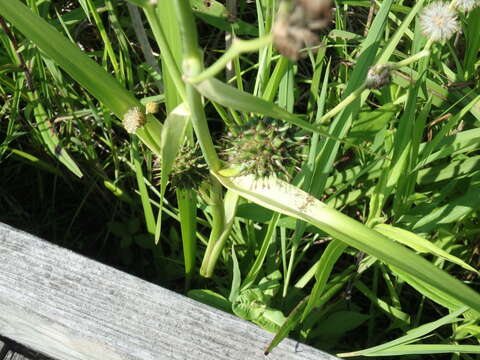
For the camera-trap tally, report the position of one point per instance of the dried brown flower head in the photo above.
(295, 25)
(318, 11)
(378, 76)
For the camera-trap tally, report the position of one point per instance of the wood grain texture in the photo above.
(70, 307)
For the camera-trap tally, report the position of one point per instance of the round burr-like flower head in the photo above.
(439, 21)
(133, 120)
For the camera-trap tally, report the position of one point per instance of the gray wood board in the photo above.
(3, 349)
(15, 356)
(70, 307)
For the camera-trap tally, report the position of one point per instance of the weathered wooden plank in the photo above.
(14, 351)
(3, 349)
(11, 355)
(70, 307)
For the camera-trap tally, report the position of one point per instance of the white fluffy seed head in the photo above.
(439, 21)
(466, 5)
(133, 120)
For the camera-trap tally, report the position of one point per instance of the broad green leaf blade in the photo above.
(455, 209)
(329, 258)
(187, 211)
(211, 298)
(419, 244)
(173, 135)
(412, 335)
(427, 290)
(287, 199)
(237, 278)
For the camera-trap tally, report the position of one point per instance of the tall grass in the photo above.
(318, 176)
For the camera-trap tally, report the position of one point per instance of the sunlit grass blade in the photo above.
(412, 335)
(35, 161)
(420, 244)
(257, 265)
(219, 237)
(287, 199)
(137, 160)
(328, 259)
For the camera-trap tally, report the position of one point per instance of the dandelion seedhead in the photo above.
(294, 27)
(189, 169)
(133, 120)
(378, 76)
(439, 21)
(466, 5)
(265, 147)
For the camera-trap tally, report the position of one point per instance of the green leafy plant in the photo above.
(328, 127)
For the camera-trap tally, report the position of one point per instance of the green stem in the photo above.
(218, 217)
(192, 66)
(411, 59)
(238, 47)
(342, 105)
(355, 94)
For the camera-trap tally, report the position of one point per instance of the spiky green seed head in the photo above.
(189, 169)
(265, 147)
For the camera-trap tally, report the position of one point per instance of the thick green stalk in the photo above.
(192, 66)
(216, 241)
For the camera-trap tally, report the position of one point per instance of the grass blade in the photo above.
(287, 199)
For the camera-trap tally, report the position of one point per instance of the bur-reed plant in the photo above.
(331, 179)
